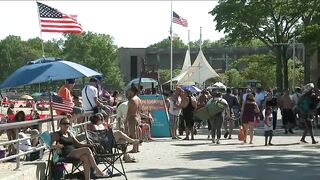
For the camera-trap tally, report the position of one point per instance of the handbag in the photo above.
(241, 135)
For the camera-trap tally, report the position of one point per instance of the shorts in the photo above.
(268, 133)
(189, 122)
(173, 121)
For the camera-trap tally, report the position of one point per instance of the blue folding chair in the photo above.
(56, 159)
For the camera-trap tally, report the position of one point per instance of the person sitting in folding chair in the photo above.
(72, 148)
(97, 124)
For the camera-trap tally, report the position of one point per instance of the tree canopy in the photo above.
(96, 51)
(166, 43)
(260, 67)
(273, 22)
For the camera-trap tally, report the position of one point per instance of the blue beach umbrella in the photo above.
(193, 89)
(44, 70)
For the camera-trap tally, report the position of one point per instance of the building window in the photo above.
(134, 67)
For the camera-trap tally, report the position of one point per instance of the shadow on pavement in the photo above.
(190, 144)
(244, 164)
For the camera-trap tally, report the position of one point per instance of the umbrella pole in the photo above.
(50, 104)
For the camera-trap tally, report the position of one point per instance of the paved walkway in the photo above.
(200, 159)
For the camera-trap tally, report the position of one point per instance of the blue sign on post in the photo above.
(156, 104)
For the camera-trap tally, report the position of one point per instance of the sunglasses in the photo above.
(65, 123)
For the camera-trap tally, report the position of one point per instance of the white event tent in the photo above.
(199, 72)
(185, 67)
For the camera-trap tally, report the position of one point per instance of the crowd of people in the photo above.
(248, 109)
(132, 125)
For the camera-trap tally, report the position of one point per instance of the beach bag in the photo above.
(210, 110)
(241, 135)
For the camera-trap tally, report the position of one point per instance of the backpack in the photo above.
(304, 104)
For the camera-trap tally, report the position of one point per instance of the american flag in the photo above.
(179, 20)
(52, 20)
(58, 103)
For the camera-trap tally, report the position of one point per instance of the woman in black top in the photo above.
(188, 105)
(72, 148)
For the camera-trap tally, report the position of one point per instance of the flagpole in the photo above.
(189, 40)
(171, 56)
(200, 38)
(39, 20)
(200, 50)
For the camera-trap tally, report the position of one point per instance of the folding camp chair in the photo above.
(108, 151)
(55, 158)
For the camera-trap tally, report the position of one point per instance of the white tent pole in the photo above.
(171, 56)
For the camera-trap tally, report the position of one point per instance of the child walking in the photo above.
(268, 132)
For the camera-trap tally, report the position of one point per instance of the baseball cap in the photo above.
(99, 77)
(93, 79)
(70, 81)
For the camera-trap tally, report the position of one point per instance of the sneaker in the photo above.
(315, 142)
(290, 131)
(303, 141)
(226, 134)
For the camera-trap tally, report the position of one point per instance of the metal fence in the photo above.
(40, 122)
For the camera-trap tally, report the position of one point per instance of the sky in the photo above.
(135, 24)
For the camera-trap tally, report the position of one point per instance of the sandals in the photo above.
(131, 160)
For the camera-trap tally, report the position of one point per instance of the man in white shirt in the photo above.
(174, 112)
(260, 97)
(244, 96)
(90, 98)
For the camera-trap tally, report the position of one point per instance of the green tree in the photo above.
(258, 67)
(233, 78)
(273, 22)
(96, 51)
(298, 72)
(164, 74)
(166, 43)
(311, 39)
